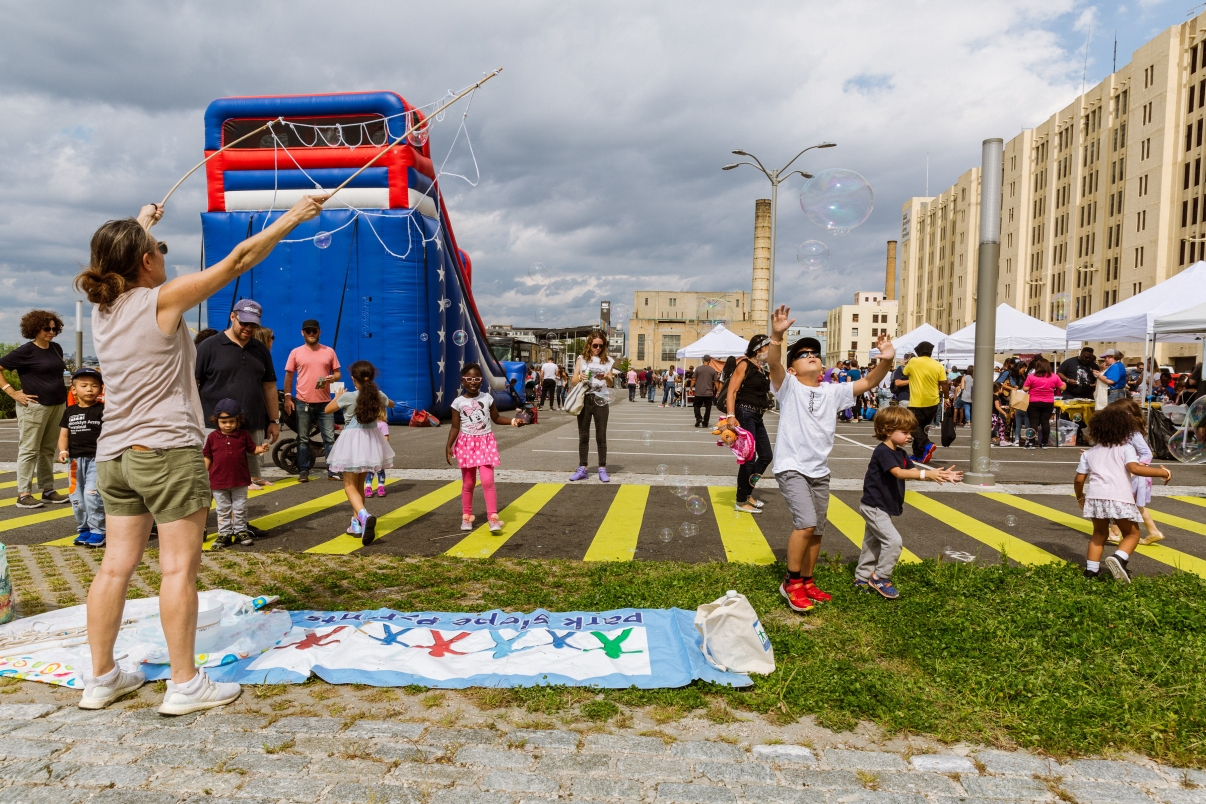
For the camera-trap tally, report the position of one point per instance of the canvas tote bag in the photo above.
(733, 638)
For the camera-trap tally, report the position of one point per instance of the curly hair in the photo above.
(1112, 426)
(33, 321)
(891, 419)
(1132, 407)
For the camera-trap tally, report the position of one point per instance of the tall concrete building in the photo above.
(664, 321)
(1099, 202)
(852, 329)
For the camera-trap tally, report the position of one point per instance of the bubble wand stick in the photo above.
(200, 164)
(410, 131)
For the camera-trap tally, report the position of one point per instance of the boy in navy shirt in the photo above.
(883, 498)
(78, 430)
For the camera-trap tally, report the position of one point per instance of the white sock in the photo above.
(1093, 566)
(1121, 555)
(108, 678)
(192, 686)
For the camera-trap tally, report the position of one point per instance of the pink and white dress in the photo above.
(475, 445)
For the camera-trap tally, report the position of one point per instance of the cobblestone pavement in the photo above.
(59, 754)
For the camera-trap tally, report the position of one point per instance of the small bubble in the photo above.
(688, 529)
(682, 491)
(538, 272)
(975, 445)
(662, 469)
(322, 239)
(460, 338)
(1011, 520)
(423, 337)
(647, 438)
(982, 464)
(995, 467)
(666, 535)
(696, 504)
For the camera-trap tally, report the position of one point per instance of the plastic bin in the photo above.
(1063, 434)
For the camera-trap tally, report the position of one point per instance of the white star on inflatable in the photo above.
(441, 336)
(440, 395)
(440, 363)
(464, 310)
(462, 363)
(445, 304)
(439, 245)
(440, 271)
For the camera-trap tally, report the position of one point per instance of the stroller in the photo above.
(284, 454)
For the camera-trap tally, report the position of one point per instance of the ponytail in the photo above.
(368, 402)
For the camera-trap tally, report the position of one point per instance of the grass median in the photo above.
(1008, 656)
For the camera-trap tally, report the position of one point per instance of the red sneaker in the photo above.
(796, 597)
(814, 592)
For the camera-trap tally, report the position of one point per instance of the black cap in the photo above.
(88, 371)
(228, 407)
(800, 345)
(310, 323)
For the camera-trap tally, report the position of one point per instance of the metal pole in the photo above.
(988, 261)
(770, 285)
(79, 333)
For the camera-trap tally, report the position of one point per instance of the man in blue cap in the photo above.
(235, 365)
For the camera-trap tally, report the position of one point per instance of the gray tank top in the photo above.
(150, 390)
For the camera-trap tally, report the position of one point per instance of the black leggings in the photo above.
(751, 420)
(599, 414)
(1040, 419)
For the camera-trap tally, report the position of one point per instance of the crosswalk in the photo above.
(625, 522)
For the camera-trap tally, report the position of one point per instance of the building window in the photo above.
(641, 345)
(673, 302)
(854, 346)
(854, 318)
(646, 301)
(854, 332)
(670, 347)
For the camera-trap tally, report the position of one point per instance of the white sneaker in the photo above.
(98, 695)
(207, 695)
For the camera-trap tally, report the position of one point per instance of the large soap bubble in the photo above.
(1188, 444)
(837, 200)
(812, 255)
(542, 315)
(538, 272)
(322, 239)
(1196, 415)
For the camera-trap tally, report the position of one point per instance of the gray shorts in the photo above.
(807, 499)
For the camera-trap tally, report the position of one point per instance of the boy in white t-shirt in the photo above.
(807, 425)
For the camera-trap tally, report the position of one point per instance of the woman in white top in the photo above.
(149, 463)
(595, 367)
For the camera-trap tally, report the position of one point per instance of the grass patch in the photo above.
(1008, 656)
(599, 711)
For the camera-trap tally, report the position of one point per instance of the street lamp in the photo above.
(775, 177)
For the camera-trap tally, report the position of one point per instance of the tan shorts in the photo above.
(170, 484)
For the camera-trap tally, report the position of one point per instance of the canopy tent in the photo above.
(906, 343)
(720, 342)
(1133, 319)
(1016, 332)
(1191, 321)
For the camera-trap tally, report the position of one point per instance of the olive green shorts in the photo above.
(168, 483)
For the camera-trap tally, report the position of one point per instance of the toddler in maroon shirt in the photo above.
(226, 451)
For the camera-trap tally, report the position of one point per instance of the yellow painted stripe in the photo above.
(8, 484)
(1156, 552)
(293, 513)
(1177, 521)
(742, 538)
(1013, 547)
(616, 538)
(481, 543)
(851, 524)
(45, 516)
(346, 543)
(1191, 500)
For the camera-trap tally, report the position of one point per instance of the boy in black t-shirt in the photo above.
(883, 498)
(78, 431)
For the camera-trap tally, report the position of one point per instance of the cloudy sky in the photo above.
(600, 146)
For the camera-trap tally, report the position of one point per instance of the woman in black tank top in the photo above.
(748, 397)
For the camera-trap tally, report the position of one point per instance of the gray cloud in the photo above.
(600, 145)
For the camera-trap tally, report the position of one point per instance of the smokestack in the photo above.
(890, 274)
(762, 247)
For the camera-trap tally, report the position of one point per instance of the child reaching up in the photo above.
(1110, 496)
(360, 448)
(226, 450)
(472, 443)
(883, 498)
(807, 426)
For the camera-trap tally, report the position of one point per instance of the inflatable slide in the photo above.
(379, 268)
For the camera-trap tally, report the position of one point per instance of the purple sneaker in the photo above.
(579, 474)
(603, 476)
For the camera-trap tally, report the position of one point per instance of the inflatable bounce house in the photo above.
(379, 268)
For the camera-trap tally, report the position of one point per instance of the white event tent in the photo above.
(1016, 332)
(720, 342)
(907, 342)
(1191, 321)
(1133, 320)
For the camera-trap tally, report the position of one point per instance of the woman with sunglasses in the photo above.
(595, 367)
(747, 400)
(148, 458)
(40, 403)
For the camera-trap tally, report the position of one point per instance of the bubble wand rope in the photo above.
(215, 153)
(410, 131)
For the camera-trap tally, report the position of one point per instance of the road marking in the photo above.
(1191, 500)
(855, 443)
(616, 538)
(852, 526)
(481, 543)
(743, 539)
(8, 484)
(999, 540)
(347, 543)
(33, 519)
(293, 513)
(1178, 521)
(1156, 552)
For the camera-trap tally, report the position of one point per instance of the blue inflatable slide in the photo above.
(379, 268)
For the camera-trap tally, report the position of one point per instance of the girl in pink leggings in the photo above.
(472, 443)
